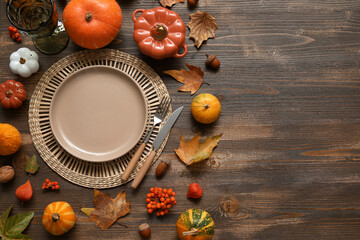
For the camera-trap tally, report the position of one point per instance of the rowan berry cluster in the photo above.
(50, 185)
(160, 200)
(14, 34)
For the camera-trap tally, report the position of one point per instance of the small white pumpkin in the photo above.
(24, 62)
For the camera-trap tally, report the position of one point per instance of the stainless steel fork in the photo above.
(159, 116)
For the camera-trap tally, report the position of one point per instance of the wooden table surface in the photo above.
(288, 163)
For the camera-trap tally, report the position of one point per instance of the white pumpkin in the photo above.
(24, 62)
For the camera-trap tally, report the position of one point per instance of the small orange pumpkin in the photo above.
(12, 94)
(205, 108)
(58, 218)
(92, 24)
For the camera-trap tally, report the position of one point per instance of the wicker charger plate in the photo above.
(84, 173)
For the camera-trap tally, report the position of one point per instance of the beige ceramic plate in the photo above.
(98, 113)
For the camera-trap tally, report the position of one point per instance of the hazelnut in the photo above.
(145, 230)
(7, 173)
(162, 168)
(213, 61)
(192, 2)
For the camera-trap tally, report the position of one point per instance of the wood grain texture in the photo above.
(288, 163)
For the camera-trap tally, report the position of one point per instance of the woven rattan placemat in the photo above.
(84, 173)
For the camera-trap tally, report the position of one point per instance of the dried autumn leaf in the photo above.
(31, 164)
(192, 79)
(202, 27)
(107, 210)
(88, 211)
(169, 3)
(193, 151)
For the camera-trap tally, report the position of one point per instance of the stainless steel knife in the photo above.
(156, 144)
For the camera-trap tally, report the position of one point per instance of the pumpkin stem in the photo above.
(206, 106)
(88, 16)
(22, 60)
(193, 232)
(159, 32)
(9, 93)
(55, 217)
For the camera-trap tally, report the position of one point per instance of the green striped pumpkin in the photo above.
(195, 224)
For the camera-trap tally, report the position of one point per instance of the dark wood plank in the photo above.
(287, 166)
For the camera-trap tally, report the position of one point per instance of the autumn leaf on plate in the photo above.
(192, 79)
(193, 151)
(107, 210)
(31, 164)
(202, 27)
(169, 3)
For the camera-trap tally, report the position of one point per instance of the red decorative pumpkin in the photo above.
(159, 33)
(12, 94)
(92, 24)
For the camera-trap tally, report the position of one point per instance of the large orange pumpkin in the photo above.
(58, 218)
(92, 24)
(205, 108)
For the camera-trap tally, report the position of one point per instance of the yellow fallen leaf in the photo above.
(193, 151)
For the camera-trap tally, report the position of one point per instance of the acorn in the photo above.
(212, 61)
(145, 230)
(162, 168)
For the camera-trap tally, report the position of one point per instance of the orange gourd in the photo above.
(205, 108)
(10, 139)
(195, 224)
(58, 218)
(92, 24)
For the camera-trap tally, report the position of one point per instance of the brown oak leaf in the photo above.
(193, 151)
(202, 27)
(169, 3)
(107, 210)
(192, 79)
